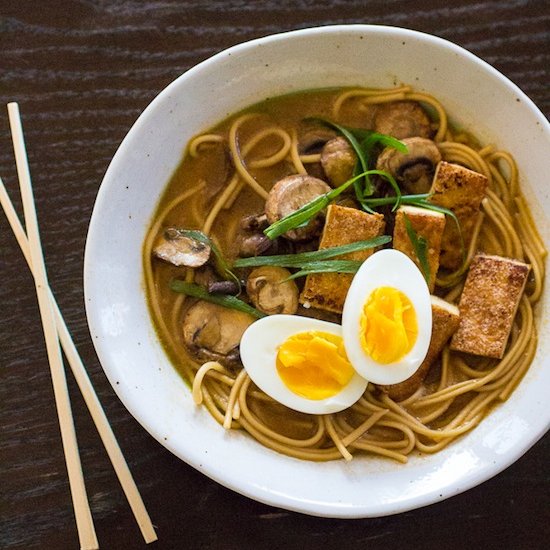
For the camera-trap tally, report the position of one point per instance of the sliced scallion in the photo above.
(225, 300)
(422, 201)
(420, 245)
(327, 266)
(405, 199)
(302, 258)
(306, 212)
(363, 142)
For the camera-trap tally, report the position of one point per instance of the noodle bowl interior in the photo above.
(368, 171)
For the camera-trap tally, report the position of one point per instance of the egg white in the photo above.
(394, 269)
(259, 347)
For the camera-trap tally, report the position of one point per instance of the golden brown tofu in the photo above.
(445, 320)
(427, 224)
(488, 305)
(460, 190)
(343, 225)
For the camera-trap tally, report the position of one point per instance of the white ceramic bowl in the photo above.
(478, 97)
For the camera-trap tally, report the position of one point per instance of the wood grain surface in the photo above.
(82, 72)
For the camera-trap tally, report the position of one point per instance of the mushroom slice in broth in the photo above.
(288, 195)
(338, 160)
(181, 250)
(402, 119)
(413, 170)
(270, 290)
(212, 332)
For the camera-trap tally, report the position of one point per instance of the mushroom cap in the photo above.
(270, 290)
(402, 119)
(338, 160)
(313, 139)
(288, 195)
(211, 331)
(180, 250)
(414, 169)
(254, 245)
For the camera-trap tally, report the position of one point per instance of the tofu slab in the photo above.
(445, 320)
(343, 225)
(427, 224)
(488, 305)
(460, 190)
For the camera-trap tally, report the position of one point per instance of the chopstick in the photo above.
(84, 521)
(59, 330)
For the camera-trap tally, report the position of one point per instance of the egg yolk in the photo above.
(314, 364)
(388, 325)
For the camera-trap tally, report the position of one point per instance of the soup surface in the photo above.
(400, 368)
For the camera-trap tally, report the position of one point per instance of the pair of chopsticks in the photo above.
(56, 333)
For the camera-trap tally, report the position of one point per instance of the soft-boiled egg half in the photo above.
(387, 318)
(301, 363)
(319, 367)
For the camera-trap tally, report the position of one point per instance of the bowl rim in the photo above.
(326, 509)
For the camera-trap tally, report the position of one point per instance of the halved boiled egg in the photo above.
(387, 318)
(301, 363)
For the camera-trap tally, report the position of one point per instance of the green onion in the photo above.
(327, 266)
(436, 208)
(306, 212)
(405, 199)
(228, 301)
(222, 266)
(422, 201)
(420, 245)
(362, 165)
(368, 144)
(398, 196)
(363, 143)
(298, 260)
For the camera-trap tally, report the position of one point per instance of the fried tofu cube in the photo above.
(445, 321)
(460, 190)
(343, 225)
(426, 224)
(488, 305)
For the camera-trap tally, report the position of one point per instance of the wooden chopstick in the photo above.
(84, 521)
(98, 415)
(82, 379)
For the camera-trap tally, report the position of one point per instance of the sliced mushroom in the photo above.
(213, 333)
(415, 169)
(271, 292)
(288, 195)
(402, 119)
(254, 245)
(223, 287)
(314, 139)
(338, 160)
(254, 222)
(180, 250)
(205, 275)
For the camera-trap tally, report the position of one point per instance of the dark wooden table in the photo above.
(82, 71)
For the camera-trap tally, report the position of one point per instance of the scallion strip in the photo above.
(422, 201)
(363, 166)
(437, 208)
(306, 212)
(367, 146)
(328, 266)
(298, 260)
(420, 245)
(405, 199)
(363, 143)
(225, 300)
(386, 175)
